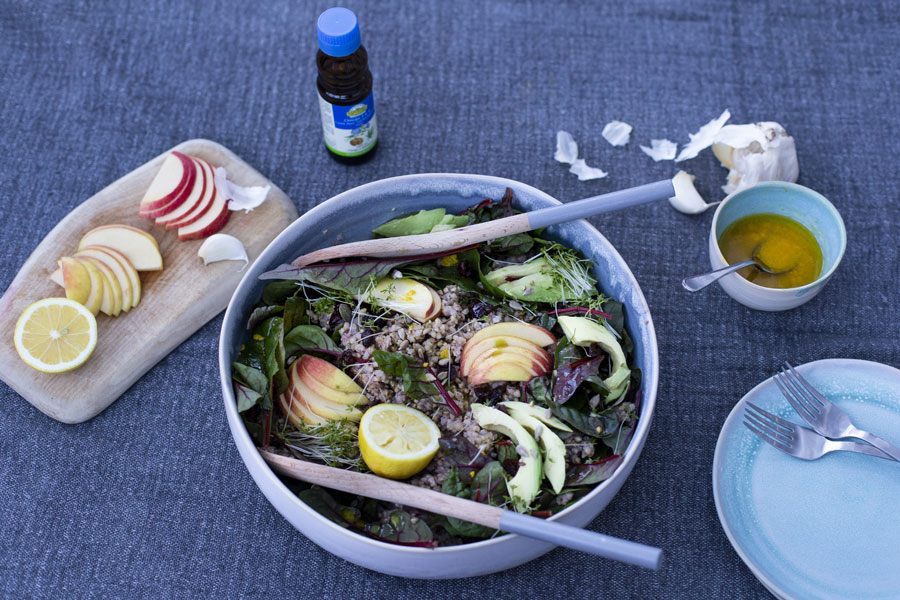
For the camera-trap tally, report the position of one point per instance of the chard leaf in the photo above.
(571, 375)
(593, 473)
(295, 312)
(351, 277)
(274, 353)
(253, 352)
(246, 397)
(277, 291)
(402, 527)
(616, 312)
(464, 456)
(310, 338)
(516, 244)
(414, 224)
(455, 526)
(453, 485)
(251, 377)
(489, 484)
(438, 277)
(416, 381)
(261, 313)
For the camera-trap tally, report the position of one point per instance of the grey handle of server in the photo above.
(581, 539)
(588, 207)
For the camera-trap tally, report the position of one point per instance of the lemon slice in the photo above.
(397, 441)
(55, 335)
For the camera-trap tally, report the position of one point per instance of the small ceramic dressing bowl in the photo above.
(807, 207)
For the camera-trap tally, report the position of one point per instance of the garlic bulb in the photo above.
(221, 246)
(756, 152)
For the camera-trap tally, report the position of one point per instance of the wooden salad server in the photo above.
(442, 241)
(372, 486)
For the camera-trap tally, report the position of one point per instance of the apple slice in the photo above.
(139, 247)
(202, 186)
(472, 354)
(205, 204)
(173, 181)
(112, 292)
(404, 295)
(322, 407)
(297, 412)
(532, 333)
(502, 371)
(118, 270)
(130, 271)
(435, 306)
(332, 392)
(328, 374)
(57, 276)
(76, 280)
(214, 220)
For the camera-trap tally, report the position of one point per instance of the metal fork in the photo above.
(822, 415)
(797, 440)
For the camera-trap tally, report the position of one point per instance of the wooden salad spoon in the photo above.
(372, 486)
(442, 241)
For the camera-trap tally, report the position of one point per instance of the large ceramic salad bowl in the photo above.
(351, 216)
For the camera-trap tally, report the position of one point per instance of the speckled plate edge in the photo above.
(732, 421)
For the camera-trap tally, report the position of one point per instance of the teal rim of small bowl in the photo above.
(794, 187)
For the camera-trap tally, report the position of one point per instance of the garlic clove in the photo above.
(240, 198)
(703, 138)
(687, 199)
(617, 133)
(221, 246)
(584, 172)
(566, 148)
(660, 150)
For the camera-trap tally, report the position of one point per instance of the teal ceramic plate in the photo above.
(828, 528)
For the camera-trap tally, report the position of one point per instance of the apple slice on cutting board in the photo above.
(139, 247)
(201, 197)
(211, 222)
(171, 186)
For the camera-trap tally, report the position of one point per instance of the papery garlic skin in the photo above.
(756, 152)
(566, 148)
(221, 246)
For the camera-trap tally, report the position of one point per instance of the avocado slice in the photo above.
(525, 485)
(512, 272)
(584, 332)
(541, 414)
(449, 222)
(553, 447)
(421, 222)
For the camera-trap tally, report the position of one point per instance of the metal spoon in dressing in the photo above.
(695, 283)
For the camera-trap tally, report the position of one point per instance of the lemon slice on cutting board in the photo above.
(54, 335)
(397, 441)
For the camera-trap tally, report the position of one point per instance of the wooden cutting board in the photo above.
(175, 302)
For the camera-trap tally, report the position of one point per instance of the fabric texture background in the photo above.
(150, 498)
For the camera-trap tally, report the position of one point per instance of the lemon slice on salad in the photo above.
(397, 441)
(54, 335)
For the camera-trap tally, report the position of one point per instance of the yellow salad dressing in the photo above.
(782, 244)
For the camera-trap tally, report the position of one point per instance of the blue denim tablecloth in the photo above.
(150, 499)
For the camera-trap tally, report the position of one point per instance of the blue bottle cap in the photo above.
(338, 32)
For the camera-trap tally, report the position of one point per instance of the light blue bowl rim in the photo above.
(648, 400)
(799, 189)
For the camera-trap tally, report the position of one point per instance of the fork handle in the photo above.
(859, 448)
(876, 441)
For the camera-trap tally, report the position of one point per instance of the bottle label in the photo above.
(349, 130)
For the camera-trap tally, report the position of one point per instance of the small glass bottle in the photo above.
(345, 88)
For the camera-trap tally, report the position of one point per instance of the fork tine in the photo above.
(800, 392)
(796, 404)
(767, 439)
(806, 386)
(769, 428)
(787, 426)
